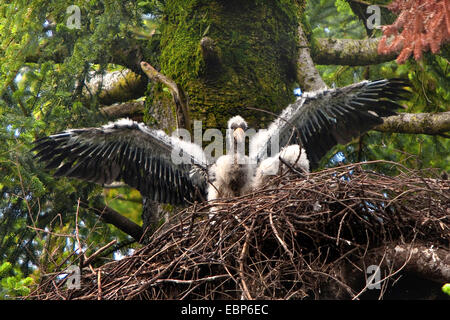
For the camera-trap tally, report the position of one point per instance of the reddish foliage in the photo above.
(421, 25)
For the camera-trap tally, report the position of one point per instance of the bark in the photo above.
(130, 109)
(111, 216)
(426, 261)
(307, 73)
(432, 264)
(178, 95)
(349, 52)
(115, 86)
(417, 123)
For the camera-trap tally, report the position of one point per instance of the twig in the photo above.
(99, 285)
(178, 95)
(283, 244)
(245, 291)
(98, 252)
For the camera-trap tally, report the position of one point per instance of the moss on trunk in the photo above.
(229, 55)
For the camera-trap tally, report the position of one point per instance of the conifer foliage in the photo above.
(421, 25)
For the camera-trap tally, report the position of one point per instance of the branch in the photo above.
(57, 55)
(116, 86)
(129, 53)
(183, 120)
(417, 123)
(349, 52)
(307, 73)
(125, 52)
(425, 261)
(130, 109)
(124, 224)
(93, 256)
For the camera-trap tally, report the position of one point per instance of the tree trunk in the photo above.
(226, 56)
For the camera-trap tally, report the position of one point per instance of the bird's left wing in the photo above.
(161, 167)
(319, 120)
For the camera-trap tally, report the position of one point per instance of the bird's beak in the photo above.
(239, 136)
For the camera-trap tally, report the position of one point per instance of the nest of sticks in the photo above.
(303, 236)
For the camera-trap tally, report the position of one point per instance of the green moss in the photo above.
(257, 46)
(159, 110)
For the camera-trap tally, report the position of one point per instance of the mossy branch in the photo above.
(183, 119)
(116, 86)
(307, 73)
(417, 123)
(130, 109)
(349, 52)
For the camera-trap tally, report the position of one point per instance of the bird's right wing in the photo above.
(163, 168)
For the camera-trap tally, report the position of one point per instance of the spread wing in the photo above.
(319, 120)
(163, 168)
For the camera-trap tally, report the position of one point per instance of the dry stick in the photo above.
(283, 244)
(340, 227)
(55, 274)
(99, 285)
(242, 256)
(92, 270)
(342, 203)
(344, 285)
(206, 279)
(378, 282)
(178, 95)
(52, 233)
(99, 251)
(55, 287)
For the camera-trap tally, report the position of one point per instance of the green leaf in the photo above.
(5, 268)
(446, 288)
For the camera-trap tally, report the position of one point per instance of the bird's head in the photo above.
(236, 130)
